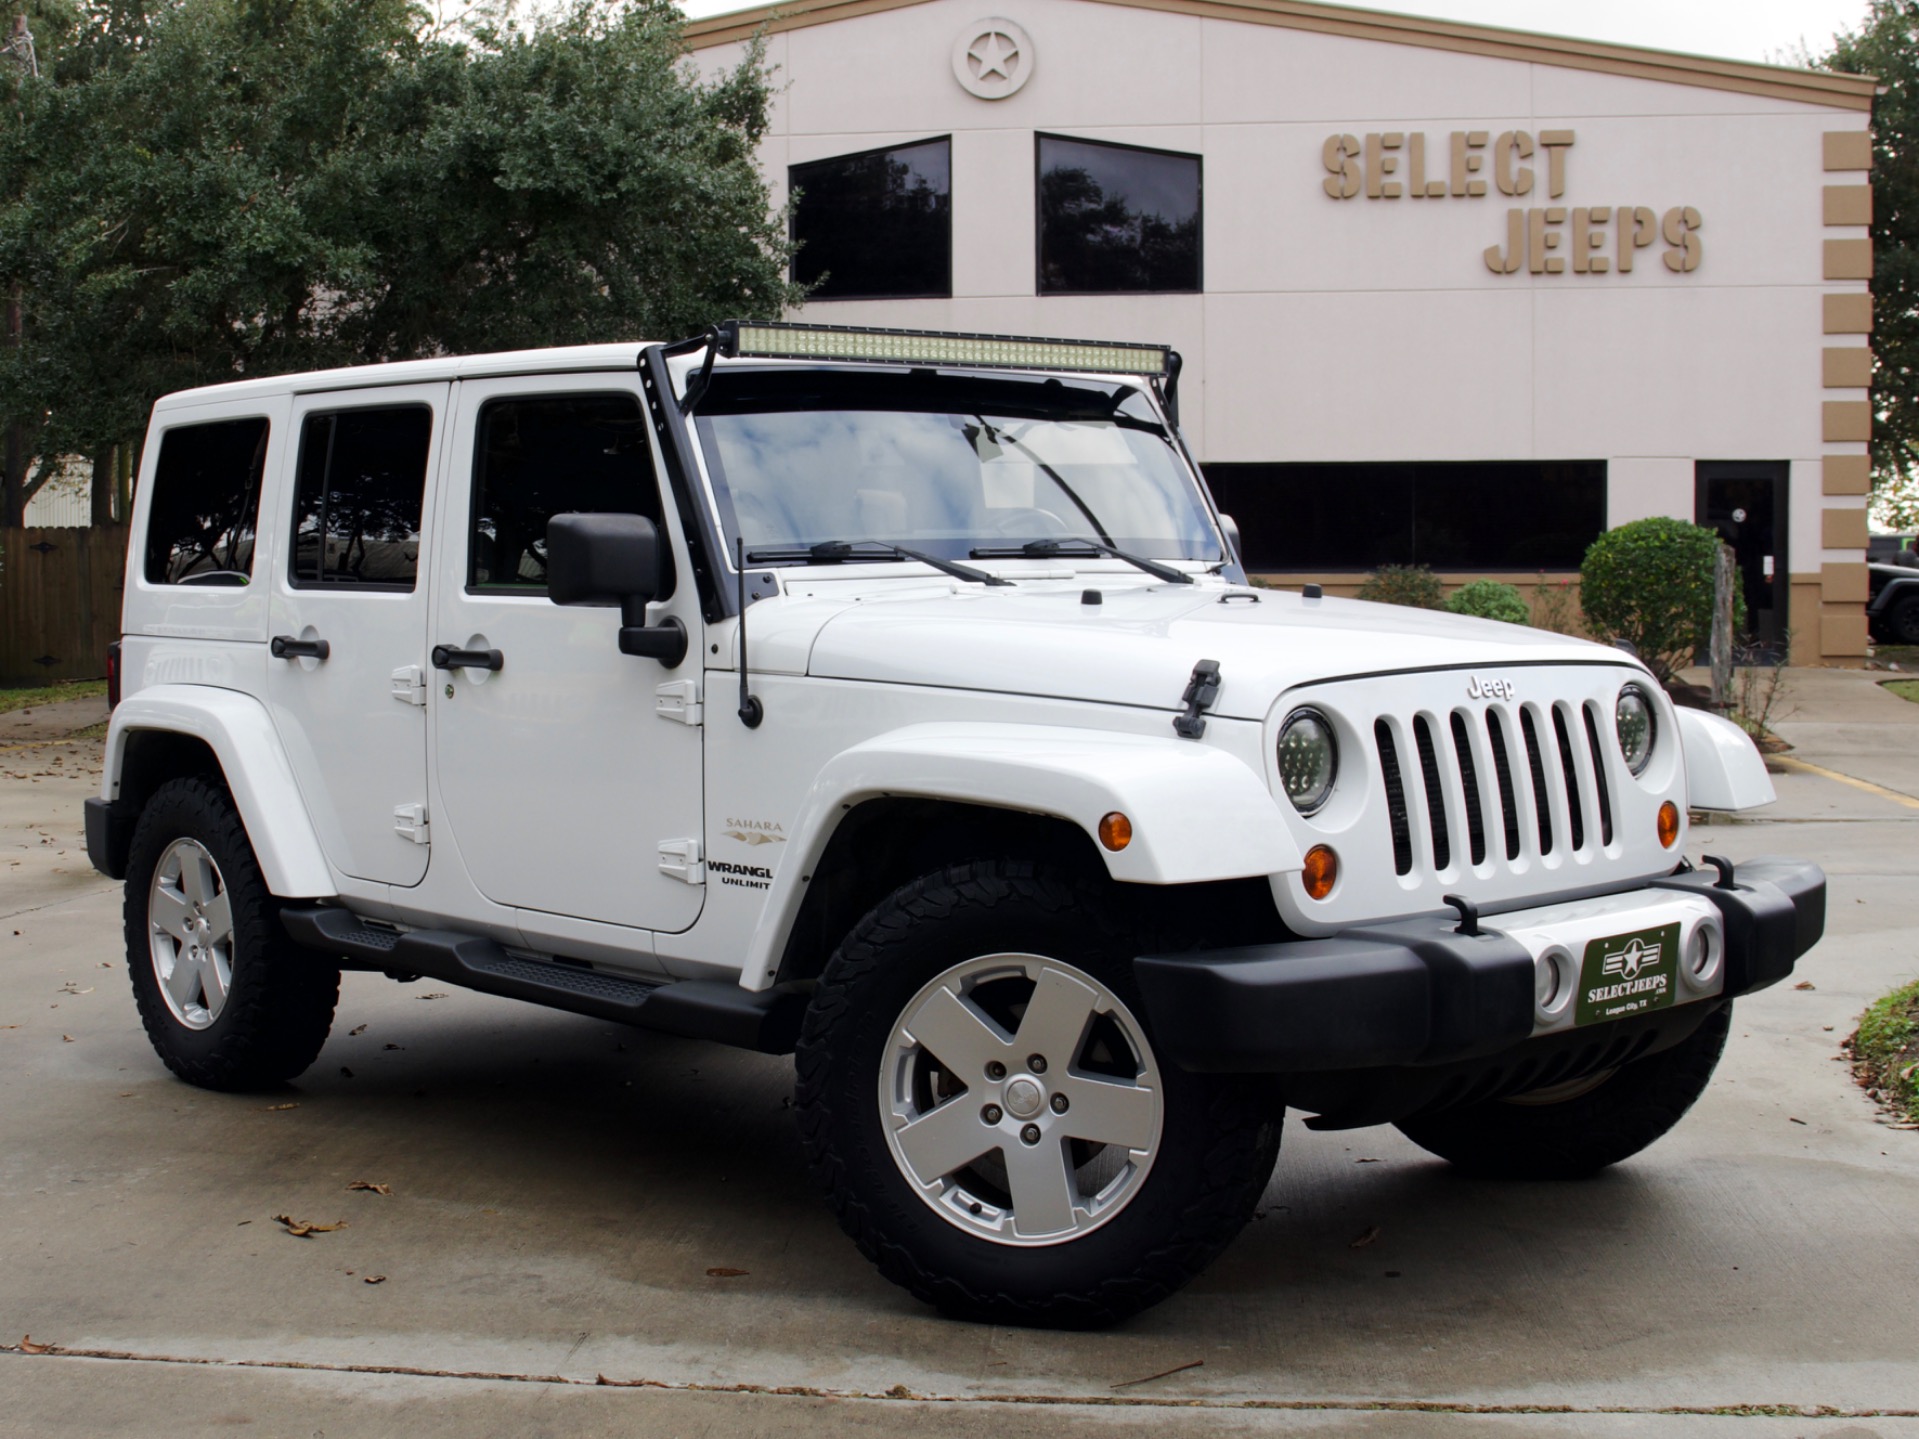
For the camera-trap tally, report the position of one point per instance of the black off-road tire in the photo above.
(280, 1003)
(1579, 1136)
(1218, 1144)
(1901, 624)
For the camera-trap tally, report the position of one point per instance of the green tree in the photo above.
(1887, 46)
(200, 190)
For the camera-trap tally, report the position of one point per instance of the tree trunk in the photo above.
(106, 471)
(1725, 574)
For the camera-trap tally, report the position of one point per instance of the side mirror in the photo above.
(597, 558)
(1231, 526)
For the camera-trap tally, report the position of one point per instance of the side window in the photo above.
(1117, 219)
(545, 455)
(206, 503)
(356, 505)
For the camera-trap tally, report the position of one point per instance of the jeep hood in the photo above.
(1136, 647)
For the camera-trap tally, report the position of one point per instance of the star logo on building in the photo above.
(993, 58)
(993, 54)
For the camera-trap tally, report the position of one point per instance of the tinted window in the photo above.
(356, 507)
(876, 225)
(550, 455)
(1116, 218)
(206, 503)
(1495, 515)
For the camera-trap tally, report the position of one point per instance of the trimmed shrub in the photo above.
(1490, 600)
(1650, 583)
(1414, 586)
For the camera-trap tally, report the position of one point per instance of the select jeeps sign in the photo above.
(1628, 974)
(1540, 239)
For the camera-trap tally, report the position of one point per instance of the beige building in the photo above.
(1446, 294)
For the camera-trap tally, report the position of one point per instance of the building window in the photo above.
(1476, 515)
(877, 225)
(1116, 219)
(206, 503)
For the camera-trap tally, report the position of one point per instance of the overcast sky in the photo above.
(1769, 30)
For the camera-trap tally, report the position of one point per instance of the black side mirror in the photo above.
(597, 558)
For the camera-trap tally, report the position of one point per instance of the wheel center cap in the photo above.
(1024, 1097)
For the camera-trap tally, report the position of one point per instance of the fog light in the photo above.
(1669, 824)
(1703, 952)
(1115, 831)
(1552, 983)
(1321, 871)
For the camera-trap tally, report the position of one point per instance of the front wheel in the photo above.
(1574, 1130)
(228, 1001)
(981, 1100)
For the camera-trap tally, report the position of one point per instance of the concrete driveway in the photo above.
(561, 1190)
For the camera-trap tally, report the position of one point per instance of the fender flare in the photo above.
(1198, 813)
(239, 731)
(1723, 767)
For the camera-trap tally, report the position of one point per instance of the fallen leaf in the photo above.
(1791, 1120)
(370, 1187)
(396, 1046)
(374, 1279)
(1176, 1369)
(899, 1391)
(1805, 984)
(66, 1039)
(726, 1273)
(27, 1346)
(437, 994)
(300, 1229)
(292, 1104)
(1368, 1237)
(1366, 1161)
(359, 1030)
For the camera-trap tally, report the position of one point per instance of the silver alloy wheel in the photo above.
(190, 933)
(1020, 1099)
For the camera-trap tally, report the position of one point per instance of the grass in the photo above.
(1885, 1052)
(22, 699)
(1905, 689)
(1905, 656)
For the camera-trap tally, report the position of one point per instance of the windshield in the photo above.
(953, 465)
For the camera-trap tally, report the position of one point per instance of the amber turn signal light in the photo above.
(1669, 824)
(1321, 871)
(1115, 831)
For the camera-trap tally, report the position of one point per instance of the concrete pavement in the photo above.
(561, 1188)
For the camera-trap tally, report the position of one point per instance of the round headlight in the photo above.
(1633, 718)
(1308, 759)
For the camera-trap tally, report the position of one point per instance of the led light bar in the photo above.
(936, 347)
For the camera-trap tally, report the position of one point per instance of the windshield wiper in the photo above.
(833, 552)
(1054, 549)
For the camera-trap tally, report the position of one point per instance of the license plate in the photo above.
(1627, 974)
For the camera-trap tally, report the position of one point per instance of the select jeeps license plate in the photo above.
(1626, 974)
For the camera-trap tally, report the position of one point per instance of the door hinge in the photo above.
(409, 685)
(679, 700)
(680, 859)
(409, 822)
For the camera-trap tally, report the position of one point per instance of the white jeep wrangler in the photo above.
(897, 699)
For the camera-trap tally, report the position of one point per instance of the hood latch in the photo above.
(1201, 690)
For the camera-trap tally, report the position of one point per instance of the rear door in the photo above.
(350, 579)
(568, 786)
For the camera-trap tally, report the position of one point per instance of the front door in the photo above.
(1746, 502)
(565, 785)
(349, 612)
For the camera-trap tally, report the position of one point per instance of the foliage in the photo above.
(1758, 687)
(1553, 605)
(1415, 586)
(1650, 583)
(1490, 600)
(199, 190)
(1885, 1051)
(34, 696)
(1887, 46)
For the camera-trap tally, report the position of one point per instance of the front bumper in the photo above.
(1418, 993)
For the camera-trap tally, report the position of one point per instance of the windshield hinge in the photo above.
(1201, 690)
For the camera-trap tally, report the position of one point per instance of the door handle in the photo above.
(286, 647)
(445, 657)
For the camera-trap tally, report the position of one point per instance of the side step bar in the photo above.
(767, 1020)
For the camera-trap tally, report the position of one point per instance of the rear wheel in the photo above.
(1574, 1130)
(228, 1001)
(981, 1100)
(1902, 621)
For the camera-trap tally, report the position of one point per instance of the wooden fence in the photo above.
(59, 602)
